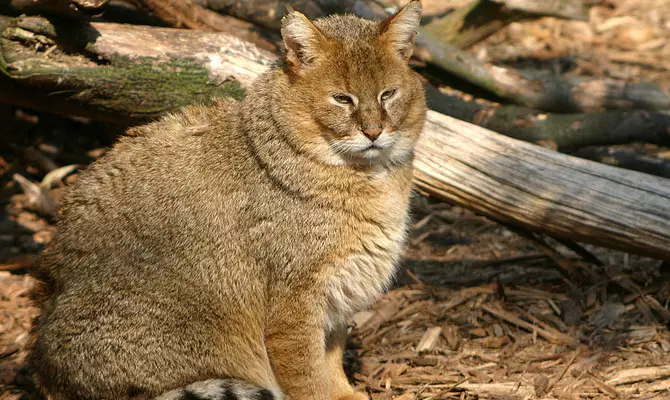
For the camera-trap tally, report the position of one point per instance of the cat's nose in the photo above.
(372, 133)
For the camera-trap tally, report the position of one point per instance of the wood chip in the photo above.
(429, 339)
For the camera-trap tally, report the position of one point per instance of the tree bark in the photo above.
(113, 70)
(552, 94)
(540, 190)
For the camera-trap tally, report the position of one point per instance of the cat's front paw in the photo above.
(355, 396)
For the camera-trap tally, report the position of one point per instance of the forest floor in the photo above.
(479, 311)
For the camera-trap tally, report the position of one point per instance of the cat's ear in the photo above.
(302, 39)
(399, 29)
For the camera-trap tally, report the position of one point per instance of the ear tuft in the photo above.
(399, 29)
(301, 38)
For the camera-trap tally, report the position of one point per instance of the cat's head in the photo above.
(351, 86)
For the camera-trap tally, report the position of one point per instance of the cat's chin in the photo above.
(374, 156)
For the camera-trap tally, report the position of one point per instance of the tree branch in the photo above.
(477, 20)
(189, 14)
(554, 94)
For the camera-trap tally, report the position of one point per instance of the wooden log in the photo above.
(548, 94)
(541, 190)
(68, 8)
(132, 72)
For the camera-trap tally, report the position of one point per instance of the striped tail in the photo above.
(220, 389)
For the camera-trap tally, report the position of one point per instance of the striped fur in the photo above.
(219, 389)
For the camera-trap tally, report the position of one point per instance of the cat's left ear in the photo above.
(303, 41)
(399, 29)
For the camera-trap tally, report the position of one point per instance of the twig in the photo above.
(580, 251)
(551, 335)
(565, 264)
(634, 375)
(19, 263)
(565, 368)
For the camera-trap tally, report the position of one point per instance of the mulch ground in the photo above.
(480, 310)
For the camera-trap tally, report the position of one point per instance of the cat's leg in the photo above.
(296, 346)
(340, 387)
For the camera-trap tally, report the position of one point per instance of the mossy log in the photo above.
(117, 71)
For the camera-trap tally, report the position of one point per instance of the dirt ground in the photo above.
(480, 310)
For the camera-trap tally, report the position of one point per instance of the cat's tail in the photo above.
(220, 389)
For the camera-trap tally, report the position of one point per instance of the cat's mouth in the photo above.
(373, 151)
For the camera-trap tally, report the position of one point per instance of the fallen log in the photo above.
(541, 190)
(502, 178)
(129, 73)
(564, 131)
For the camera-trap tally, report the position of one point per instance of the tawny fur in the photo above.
(235, 241)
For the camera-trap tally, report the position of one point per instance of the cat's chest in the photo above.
(359, 277)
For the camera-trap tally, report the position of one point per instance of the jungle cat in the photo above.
(219, 252)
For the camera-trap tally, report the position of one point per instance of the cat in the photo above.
(219, 252)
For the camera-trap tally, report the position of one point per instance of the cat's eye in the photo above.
(343, 99)
(387, 94)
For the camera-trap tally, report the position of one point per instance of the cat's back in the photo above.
(156, 191)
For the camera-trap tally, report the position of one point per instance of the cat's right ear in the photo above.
(399, 29)
(302, 40)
